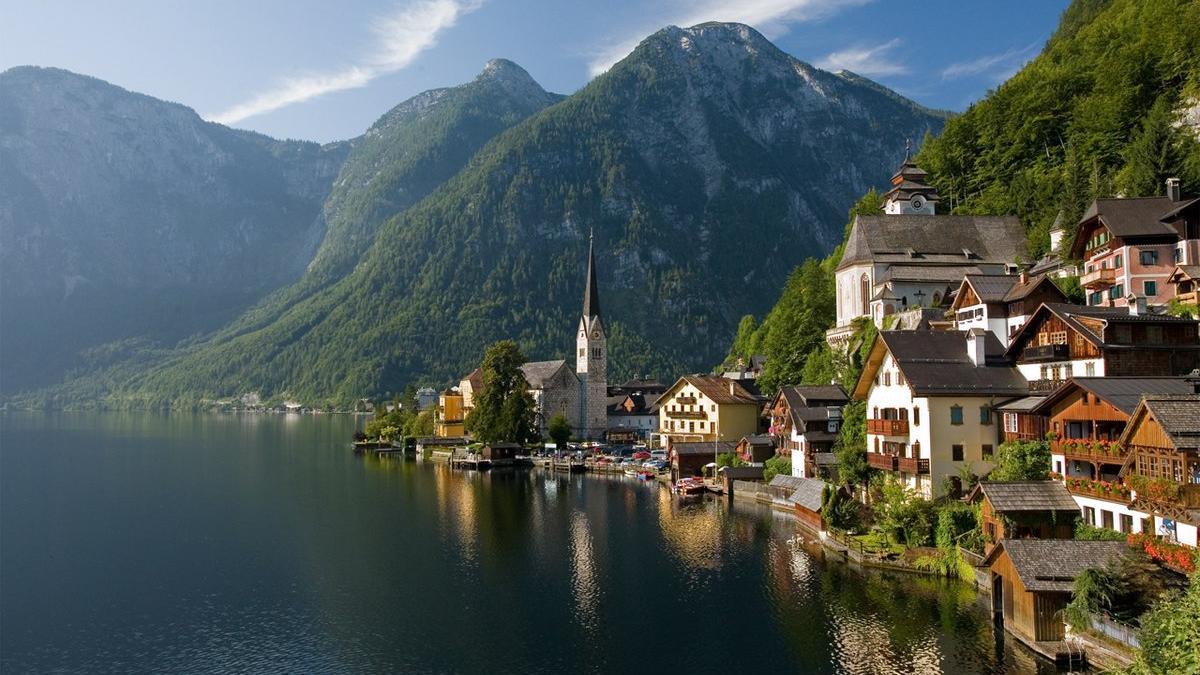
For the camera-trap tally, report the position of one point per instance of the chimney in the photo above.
(1024, 278)
(1137, 305)
(976, 339)
(731, 386)
(1173, 190)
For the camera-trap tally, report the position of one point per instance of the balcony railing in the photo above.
(1046, 353)
(1112, 491)
(888, 427)
(1044, 386)
(912, 465)
(688, 414)
(877, 460)
(1101, 278)
(685, 400)
(1092, 451)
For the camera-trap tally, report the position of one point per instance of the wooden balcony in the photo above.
(877, 460)
(1042, 387)
(1046, 353)
(685, 400)
(912, 465)
(1085, 450)
(888, 427)
(1189, 298)
(1112, 491)
(688, 414)
(1097, 279)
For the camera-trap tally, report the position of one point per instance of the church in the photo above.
(581, 395)
(911, 257)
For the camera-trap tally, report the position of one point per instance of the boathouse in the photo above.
(501, 452)
(1031, 582)
(807, 499)
(689, 459)
(1027, 509)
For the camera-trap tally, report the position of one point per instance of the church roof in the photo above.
(925, 240)
(591, 294)
(537, 372)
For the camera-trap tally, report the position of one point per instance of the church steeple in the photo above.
(591, 293)
(910, 192)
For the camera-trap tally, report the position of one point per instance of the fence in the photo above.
(1117, 630)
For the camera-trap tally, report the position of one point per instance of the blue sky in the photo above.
(322, 70)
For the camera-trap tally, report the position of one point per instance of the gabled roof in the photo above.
(935, 363)
(717, 389)
(948, 274)
(1071, 315)
(750, 472)
(1051, 565)
(1126, 217)
(759, 440)
(808, 494)
(1178, 415)
(785, 481)
(1184, 272)
(924, 239)
(476, 379)
(811, 403)
(1026, 495)
(1122, 393)
(536, 373)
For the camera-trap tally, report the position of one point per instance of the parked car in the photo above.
(642, 455)
(659, 454)
(655, 464)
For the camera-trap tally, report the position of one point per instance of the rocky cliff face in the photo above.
(708, 163)
(122, 215)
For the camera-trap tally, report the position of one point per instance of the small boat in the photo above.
(632, 472)
(688, 487)
(646, 475)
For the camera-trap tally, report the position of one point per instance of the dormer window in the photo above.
(968, 253)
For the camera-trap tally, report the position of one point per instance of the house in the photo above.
(1032, 580)
(807, 499)
(1055, 263)
(1035, 509)
(1163, 441)
(756, 449)
(1001, 304)
(805, 421)
(438, 448)
(1132, 245)
(427, 399)
(631, 416)
(501, 453)
(468, 386)
(1019, 422)
(910, 257)
(1185, 279)
(747, 371)
(931, 397)
(699, 408)
(450, 418)
(690, 458)
(730, 474)
(1061, 341)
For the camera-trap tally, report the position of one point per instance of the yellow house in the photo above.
(707, 408)
(450, 416)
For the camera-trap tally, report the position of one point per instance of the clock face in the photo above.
(918, 203)
(596, 334)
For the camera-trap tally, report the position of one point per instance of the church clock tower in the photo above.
(591, 360)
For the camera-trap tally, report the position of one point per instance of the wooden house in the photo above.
(1163, 467)
(807, 500)
(756, 449)
(689, 459)
(805, 421)
(1038, 509)
(501, 452)
(1063, 341)
(1001, 303)
(1031, 581)
(1186, 281)
(730, 474)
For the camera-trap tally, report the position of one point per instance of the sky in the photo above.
(323, 71)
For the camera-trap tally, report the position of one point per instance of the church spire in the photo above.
(591, 294)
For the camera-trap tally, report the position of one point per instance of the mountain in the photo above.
(125, 216)
(405, 155)
(708, 163)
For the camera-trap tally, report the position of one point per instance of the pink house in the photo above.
(1131, 246)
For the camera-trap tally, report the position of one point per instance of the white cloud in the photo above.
(1002, 64)
(866, 60)
(771, 17)
(399, 40)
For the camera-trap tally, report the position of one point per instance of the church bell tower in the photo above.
(591, 361)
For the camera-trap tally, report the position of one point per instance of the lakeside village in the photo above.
(1047, 451)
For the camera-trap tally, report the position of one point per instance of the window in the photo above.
(1058, 467)
(877, 445)
(1178, 256)
(1150, 288)
(1118, 261)
(1126, 523)
(864, 293)
(1010, 423)
(987, 451)
(583, 351)
(956, 414)
(596, 352)
(1116, 292)
(1089, 369)
(1106, 519)
(1148, 524)
(985, 414)
(1148, 257)
(956, 453)
(1089, 515)
(899, 378)
(916, 416)
(887, 379)
(691, 426)
(1058, 337)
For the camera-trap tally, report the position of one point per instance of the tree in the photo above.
(559, 430)
(419, 425)
(777, 466)
(1072, 289)
(900, 511)
(1170, 634)
(504, 411)
(1021, 460)
(851, 444)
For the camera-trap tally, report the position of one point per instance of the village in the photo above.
(996, 431)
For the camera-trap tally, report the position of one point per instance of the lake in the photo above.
(252, 543)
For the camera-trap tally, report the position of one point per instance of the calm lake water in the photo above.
(252, 543)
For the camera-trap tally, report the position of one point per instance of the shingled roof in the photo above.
(1179, 417)
(1132, 216)
(935, 363)
(1122, 393)
(703, 448)
(537, 372)
(924, 240)
(719, 389)
(1051, 565)
(1071, 315)
(1026, 495)
(808, 494)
